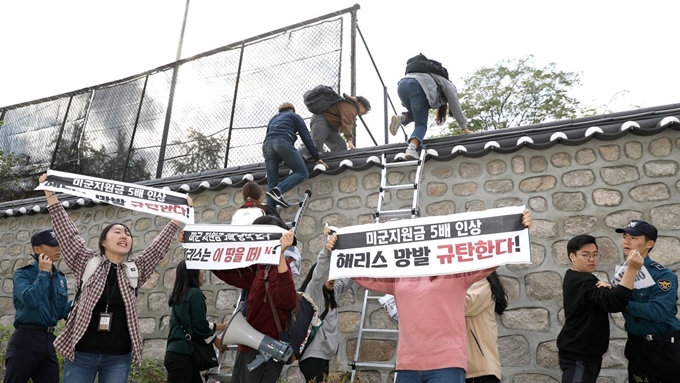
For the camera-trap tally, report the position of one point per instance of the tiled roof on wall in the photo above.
(574, 132)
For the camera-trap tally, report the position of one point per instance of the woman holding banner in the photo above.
(432, 335)
(101, 338)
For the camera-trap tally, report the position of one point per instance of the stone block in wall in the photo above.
(208, 215)
(544, 286)
(621, 218)
(496, 167)
(441, 208)
(6, 303)
(349, 321)
(585, 156)
(578, 178)
(579, 224)
(226, 299)
(372, 350)
(538, 164)
(518, 165)
(464, 189)
(468, 170)
(474, 205)
(650, 192)
(154, 348)
(511, 286)
(564, 201)
(436, 189)
(381, 319)
(169, 277)
(7, 320)
(165, 323)
(614, 357)
(538, 204)
(601, 379)
(323, 187)
(513, 351)
(147, 325)
(665, 217)
(337, 220)
(560, 317)
(541, 228)
(5, 265)
(371, 181)
(157, 301)
(317, 243)
(533, 378)
(372, 199)
(505, 202)
(321, 204)
(395, 178)
(294, 375)
(151, 282)
(307, 226)
(666, 250)
(546, 355)
(532, 319)
(348, 184)
(537, 184)
(499, 186)
(560, 160)
(619, 320)
(609, 252)
(8, 285)
(610, 153)
(660, 168)
(369, 376)
(226, 214)
(661, 147)
(618, 175)
(405, 194)
(442, 172)
(349, 203)
(633, 150)
(607, 197)
(222, 198)
(537, 258)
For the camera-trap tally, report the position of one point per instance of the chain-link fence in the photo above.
(206, 112)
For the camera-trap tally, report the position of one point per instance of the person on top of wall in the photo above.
(338, 118)
(40, 298)
(585, 335)
(102, 338)
(279, 145)
(421, 89)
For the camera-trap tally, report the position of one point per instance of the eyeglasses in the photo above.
(589, 255)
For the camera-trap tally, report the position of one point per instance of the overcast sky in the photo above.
(50, 47)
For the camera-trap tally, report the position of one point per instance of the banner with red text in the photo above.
(222, 247)
(164, 203)
(436, 245)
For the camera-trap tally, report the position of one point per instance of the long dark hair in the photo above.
(498, 292)
(328, 295)
(184, 280)
(102, 236)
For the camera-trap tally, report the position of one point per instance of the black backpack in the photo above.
(304, 322)
(421, 64)
(320, 98)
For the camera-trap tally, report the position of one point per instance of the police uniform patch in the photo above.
(665, 284)
(657, 266)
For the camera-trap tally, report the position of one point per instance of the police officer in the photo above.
(653, 346)
(40, 300)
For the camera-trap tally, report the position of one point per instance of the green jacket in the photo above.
(192, 314)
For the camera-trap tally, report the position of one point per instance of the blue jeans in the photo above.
(274, 151)
(443, 375)
(415, 101)
(87, 365)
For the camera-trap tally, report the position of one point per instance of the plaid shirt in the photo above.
(76, 255)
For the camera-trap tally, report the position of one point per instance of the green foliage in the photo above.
(10, 185)
(201, 153)
(149, 371)
(515, 92)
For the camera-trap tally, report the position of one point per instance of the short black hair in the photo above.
(575, 244)
(363, 101)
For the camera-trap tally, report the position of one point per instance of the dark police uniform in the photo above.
(40, 300)
(653, 346)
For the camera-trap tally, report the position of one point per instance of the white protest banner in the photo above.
(437, 245)
(159, 202)
(223, 247)
(643, 278)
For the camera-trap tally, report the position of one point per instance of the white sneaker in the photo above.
(412, 154)
(395, 123)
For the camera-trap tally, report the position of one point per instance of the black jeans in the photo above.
(180, 369)
(314, 369)
(578, 371)
(483, 379)
(267, 373)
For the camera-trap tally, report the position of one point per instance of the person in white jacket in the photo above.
(325, 293)
(420, 92)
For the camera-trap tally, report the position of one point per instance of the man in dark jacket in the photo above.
(585, 335)
(41, 300)
(279, 145)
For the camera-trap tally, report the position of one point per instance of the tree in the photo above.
(515, 92)
(201, 153)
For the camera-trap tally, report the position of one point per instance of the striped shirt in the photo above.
(76, 254)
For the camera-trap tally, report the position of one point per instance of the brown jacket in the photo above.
(342, 115)
(482, 331)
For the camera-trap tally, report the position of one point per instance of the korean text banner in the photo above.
(222, 247)
(437, 245)
(164, 203)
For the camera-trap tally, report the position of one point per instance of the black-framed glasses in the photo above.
(587, 255)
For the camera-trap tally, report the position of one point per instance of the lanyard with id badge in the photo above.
(106, 316)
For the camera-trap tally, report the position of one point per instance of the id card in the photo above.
(105, 321)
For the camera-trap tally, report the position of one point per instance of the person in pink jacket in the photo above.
(432, 336)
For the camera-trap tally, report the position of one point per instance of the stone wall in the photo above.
(570, 190)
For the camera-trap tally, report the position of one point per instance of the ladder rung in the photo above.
(394, 213)
(401, 164)
(399, 187)
(381, 330)
(384, 366)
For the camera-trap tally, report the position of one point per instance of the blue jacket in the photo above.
(652, 310)
(32, 297)
(288, 125)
